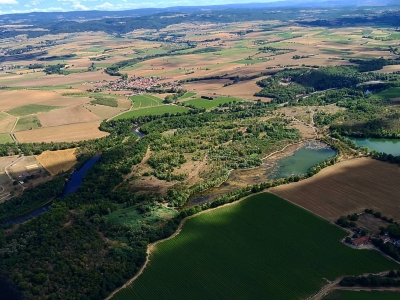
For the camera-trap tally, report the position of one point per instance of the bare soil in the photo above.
(75, 114)
(63, 133)
(348, 187)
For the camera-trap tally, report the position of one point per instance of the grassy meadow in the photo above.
(5, 138)
(142, 101)
(152, 111)
(260, 246)
(30, 109)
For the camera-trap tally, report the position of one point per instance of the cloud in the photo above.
(8, 2)
(78, 5)
(106, 5)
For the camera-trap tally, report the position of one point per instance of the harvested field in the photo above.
(103, 112)
(76, 114)
(64, 133)
(10, 99)
(348, 187)
(6, 122)
(58, 161)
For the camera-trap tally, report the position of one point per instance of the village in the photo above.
(134, 83)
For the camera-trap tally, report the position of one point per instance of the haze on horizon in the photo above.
(27, 6)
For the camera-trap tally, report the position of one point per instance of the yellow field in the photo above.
(59, 161)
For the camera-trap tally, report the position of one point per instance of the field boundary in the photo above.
(151, 246)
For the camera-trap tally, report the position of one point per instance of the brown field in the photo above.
(10, 99)
(104, 112)
(59, 161)
(348, 187)
(75, 114)
(63, 133)
(6, 123)
(49, 80)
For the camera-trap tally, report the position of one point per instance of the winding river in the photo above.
(72, 185)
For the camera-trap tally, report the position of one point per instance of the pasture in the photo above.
(153, 111)
(260, 246)
(27, 123)
(359, 184)
(391, 93)
(5, 138)
(209, 104)
(362, 295)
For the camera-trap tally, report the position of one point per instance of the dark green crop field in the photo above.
(362, 295)
(263, 247)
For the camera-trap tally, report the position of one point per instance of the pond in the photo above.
(295, 160)
(389, 146)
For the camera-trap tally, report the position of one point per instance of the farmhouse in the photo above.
(360, 241)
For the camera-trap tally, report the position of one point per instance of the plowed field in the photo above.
(348, 187)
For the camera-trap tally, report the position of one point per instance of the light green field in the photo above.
(188, 95)
(249, 61)
(27, 123)
(389, 93)
(152, 111)
(142, 101)
(362, 295)
(30, 109)
(5, 138)
(131, 217)
(261, 246)
(209, 104)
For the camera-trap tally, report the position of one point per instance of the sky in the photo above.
(24, 6)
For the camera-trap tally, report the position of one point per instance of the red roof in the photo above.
(361, 240)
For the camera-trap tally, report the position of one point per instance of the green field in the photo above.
(188, 95)
(390, 93)
(362, 295)
(131, 217)
(142, 101)
(209, 104)
(30, 109)
(5, 138)
(152, 111)
(27, 123)
(107, 101)
(260, 246)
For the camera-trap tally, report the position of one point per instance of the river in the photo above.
(295, 160)
(72, 185)
(389, 146)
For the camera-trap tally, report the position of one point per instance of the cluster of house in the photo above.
(10, 67)
(136, 83)
(364, 240)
